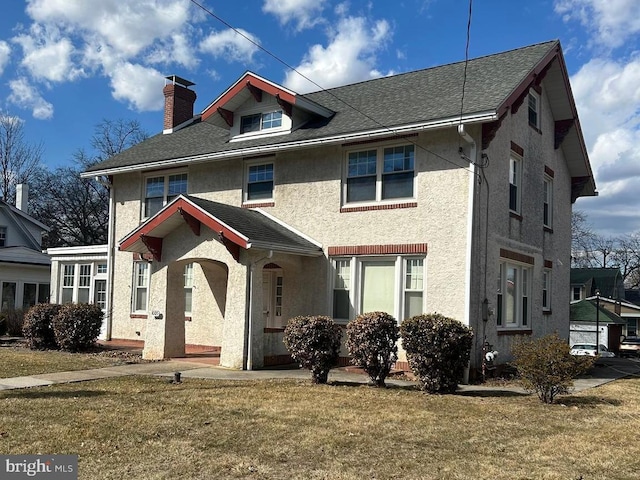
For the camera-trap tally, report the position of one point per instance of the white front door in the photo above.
(267, 298)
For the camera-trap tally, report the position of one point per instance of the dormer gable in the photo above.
(254, 107)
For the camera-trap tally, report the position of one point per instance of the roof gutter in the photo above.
(265, 149)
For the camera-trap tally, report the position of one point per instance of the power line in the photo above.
(466, 59)
(293, 69)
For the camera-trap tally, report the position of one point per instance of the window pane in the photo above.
(141, 274)
(100, 295)
(250, 123)
(260, 191)
(260, 182)
(272, 120)
(361, 189)
(68, 276)
(8, 295)
(102, 268)
(378, 279)
(177, 184)
(511, 313)
(84, 279)
(152, 206)
(398, 159)
(397, 185)
(29, 295)
(43, 293)
(412, 304)
(414, 275)
(3, 236)
(155, 187)
(83, 295)
(341, 304)
(141, 299)
(188, 295)
(67, 295)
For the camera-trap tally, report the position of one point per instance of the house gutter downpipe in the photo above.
(470, 210)
(110, 254)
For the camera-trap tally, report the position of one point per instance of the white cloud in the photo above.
(175, 50)
(304, 13)
(24, 95)
(5, 52)
(611, 21)
(47, 55)
(231, 45)
(349, 57)
(140, 87)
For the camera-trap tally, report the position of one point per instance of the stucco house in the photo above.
(24, 269)
(398, 194)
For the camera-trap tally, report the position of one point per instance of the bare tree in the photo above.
(77, 209)
(19, 160)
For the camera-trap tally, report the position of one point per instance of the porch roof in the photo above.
(236, 228)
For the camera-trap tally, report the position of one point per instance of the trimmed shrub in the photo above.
(314, 343)
(438, 350)
(546, 366)
(37, 329)
(77, 326)
(372, 341)
(11, 322)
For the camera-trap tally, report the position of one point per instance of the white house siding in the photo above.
(525, 236)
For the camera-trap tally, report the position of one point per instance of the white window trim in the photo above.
(245, 187)
(188, 276)
(134, 286)
(283, 129)
(546, 286)
(537, 98)
(519, 324)
(75, 288)
(166, 174)
(355, 283)
(548, 200)
(379, 174)
(514, 157)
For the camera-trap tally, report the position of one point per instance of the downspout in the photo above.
(470, 210)
(110, 254)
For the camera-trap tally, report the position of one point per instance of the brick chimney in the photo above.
(178, 102)
(22, 197)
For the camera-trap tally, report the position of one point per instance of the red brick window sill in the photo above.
(390, 206)
(515, 332)
(138, 315)
(259, 205)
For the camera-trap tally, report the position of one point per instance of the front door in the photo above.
(267, 298)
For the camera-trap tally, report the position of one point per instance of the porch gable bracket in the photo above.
(232, 248)
(255, 92)
(194, 223)
(154, 245)
(226, 115)
(286, 106)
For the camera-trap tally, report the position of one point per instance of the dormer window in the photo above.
(260, 121)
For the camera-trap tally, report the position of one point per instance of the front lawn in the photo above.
(20, 361)
(148, 428)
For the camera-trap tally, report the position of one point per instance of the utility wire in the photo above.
(466, 59)
(283, 62)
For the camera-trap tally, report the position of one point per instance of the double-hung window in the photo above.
(76, 282)
(547, 214)
(259, 184)
(3, 236)
(68, 282)
(513, 295)
(385, 173)
(546, 290)
(390, 283)
(533, 104)
(160, 190)
(140, 287)
(515, 181)
(188, 289)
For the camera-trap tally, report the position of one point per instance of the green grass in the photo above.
(19, 361)
(148, 428)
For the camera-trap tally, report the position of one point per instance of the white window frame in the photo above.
(188, 289)
(515, 182)
(547, 213)
(533, 107)
(136, 288)
(247, 169)
(522, 287)
(355, 283)
(165, 194)
(546, 289)
(82, 278)
(380, 175)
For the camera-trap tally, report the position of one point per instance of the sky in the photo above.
(67, 65)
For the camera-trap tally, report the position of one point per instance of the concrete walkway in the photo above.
(605, 371)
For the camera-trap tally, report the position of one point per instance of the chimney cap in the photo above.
(179, 80)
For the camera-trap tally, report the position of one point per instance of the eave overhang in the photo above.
(149, 236)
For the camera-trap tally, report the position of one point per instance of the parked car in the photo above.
(630, 346)
(590, 350)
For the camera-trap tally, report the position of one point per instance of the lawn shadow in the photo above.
(42, 393)
(590, 401)
(388, 386)
(490, 393)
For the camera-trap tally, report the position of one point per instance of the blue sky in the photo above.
(65, 65)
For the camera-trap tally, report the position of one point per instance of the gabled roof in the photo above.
(586, 311)
(386, 106)
(19, 218)
(236, 228)
(608, 280)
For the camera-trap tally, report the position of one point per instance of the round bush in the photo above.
(438, 350)
(77, 326)
(314, 342)
(37, 328)
(372, 341)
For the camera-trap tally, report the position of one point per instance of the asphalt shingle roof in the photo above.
(415, 97)
(585, 311)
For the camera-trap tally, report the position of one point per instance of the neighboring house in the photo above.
(586, 281)
(632, 295)
(603, 315)
(24, 269)
(391, 194)
(79, 275)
